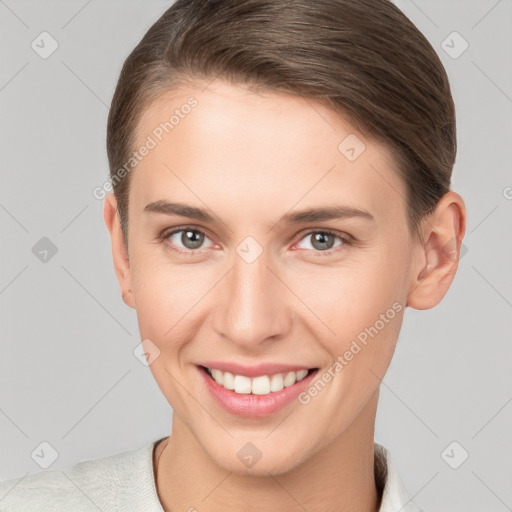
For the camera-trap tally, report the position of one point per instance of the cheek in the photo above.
(351, 298)
(168, 299)
(164, 298)
(159, 296)
(157, 283)
(361, 309)
(358, 308)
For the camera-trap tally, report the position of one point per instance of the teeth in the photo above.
(218, 376)
(276, 382)
(301, 374)
(290, 379)
(227, 380)
(262, 385)
(242, 384)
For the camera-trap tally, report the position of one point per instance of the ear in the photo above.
(119, 251)
(437, 260)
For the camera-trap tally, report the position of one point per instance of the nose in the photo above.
(253, 306)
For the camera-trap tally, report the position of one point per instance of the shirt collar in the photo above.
(394, 495)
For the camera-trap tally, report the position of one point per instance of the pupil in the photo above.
(192, 239)
(322, 239)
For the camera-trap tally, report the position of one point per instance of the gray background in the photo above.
(68, 374)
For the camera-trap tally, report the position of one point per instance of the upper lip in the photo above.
(254, 370)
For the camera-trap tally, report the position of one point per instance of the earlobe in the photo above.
(119, 251)
(438, 259)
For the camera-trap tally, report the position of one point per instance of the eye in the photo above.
(323, 241)
(188, 240)
(184, 240)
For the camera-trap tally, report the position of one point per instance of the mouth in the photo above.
(260, 385)
(257, 396)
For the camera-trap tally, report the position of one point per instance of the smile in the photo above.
(256, 396)
(262, 385)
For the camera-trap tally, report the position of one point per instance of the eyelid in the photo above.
(341, 234)
(166, 233)
(345, 237)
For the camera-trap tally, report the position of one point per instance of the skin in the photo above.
(249, 158)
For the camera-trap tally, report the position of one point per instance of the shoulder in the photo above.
(108, 483)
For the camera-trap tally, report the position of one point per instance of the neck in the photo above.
(338, 477)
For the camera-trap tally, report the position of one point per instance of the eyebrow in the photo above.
(296, 217)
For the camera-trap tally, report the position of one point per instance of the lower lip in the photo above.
(254, 406)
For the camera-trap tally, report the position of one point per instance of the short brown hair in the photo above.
(362, 58)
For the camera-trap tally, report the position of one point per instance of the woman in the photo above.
(281, 175)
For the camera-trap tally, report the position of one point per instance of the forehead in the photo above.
(233, 146)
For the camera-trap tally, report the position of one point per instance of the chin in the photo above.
(262, 464)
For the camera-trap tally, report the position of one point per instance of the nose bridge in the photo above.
(251, 308)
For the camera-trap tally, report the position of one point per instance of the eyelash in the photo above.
(347, 240)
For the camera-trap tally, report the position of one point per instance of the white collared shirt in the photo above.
(125, 482)
(394, 496)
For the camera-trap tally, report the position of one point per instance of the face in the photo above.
(289, 254)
